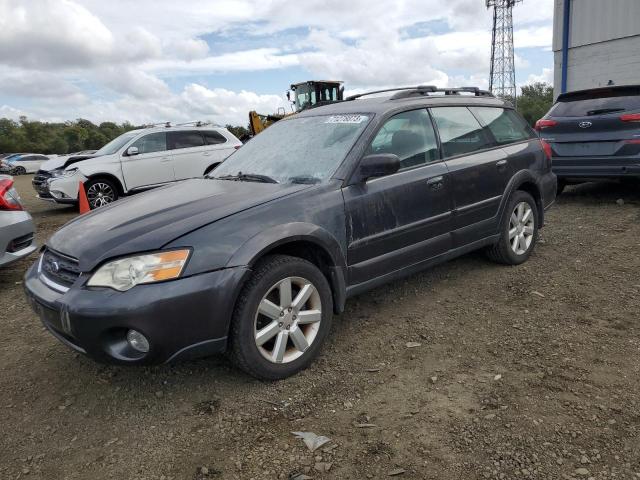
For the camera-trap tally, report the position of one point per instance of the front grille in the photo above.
(59, 268)
(20, 243)
(39, 183)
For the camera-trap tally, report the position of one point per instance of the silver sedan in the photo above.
(16, 225)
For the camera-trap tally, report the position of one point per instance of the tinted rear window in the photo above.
(598, 102)
(506, 126)
(460, 132)
(212, 137)
(184, 139)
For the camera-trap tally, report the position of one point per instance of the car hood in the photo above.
(63, 161)
(150, 220)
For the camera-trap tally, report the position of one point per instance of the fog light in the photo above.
(138, 341)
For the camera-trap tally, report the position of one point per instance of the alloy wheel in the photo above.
(521, 228)
(288, 320)
(100, 194)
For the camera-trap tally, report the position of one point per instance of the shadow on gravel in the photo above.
(602, 192)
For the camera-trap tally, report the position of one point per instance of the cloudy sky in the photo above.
(157, 60)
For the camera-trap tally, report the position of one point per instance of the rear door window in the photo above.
(184, 139)
(211, 137)
(597, 102)
(154, 142)
(460, 132)
(505, 125)
(410, 136)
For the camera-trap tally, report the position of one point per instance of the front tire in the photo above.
(518, 231)
(19, 171)
(282, 318)
(100, 192)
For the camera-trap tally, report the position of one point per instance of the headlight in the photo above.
(63, 173)
(126, 273)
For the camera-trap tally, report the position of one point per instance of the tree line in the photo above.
(34, 136)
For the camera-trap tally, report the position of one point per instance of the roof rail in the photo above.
(422, 90)
(426, 88)
(160, 124)
(197, 123)
(446, 91)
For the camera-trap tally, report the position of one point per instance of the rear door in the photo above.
(479, 172)
(402, 219)
(596, 128)
(217, 149)
(190, 157)
(152, 164)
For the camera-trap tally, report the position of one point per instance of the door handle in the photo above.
(165, 159)
(436, 183)
(501, 163)
(206, 154)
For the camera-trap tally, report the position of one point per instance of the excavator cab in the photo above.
(314, 93)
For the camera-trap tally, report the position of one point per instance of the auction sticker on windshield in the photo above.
(346, 119)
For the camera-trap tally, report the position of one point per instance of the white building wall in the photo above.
(604, 43)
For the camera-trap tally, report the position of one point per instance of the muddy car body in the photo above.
(265, 258)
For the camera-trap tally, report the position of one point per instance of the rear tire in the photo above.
(282, 318)
(100, 192)
(518, 231)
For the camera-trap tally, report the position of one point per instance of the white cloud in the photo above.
(51, 34)
(546, 76)
(119, 60)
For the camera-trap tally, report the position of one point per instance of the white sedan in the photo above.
(22, 163)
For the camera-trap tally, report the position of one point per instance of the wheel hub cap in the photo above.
(521, 228)
(288, 320)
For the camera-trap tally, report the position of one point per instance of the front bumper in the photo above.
(184, 318)
(596, 167)
(16, 236)
(58, 189)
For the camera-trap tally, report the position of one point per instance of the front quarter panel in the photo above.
(315, 215)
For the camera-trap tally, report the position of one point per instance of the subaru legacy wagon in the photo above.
(255, 257)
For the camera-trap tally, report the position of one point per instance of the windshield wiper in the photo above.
(604, 110)
(305, 179)
(247, 177)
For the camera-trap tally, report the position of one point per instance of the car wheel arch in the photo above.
(525, 181)
(212, 167)
(108, 176)
(302, 240)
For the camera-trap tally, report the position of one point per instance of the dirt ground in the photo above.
(515, 372)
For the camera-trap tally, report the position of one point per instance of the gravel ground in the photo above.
(469, 370)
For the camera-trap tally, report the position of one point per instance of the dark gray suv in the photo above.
(256, 257)
(594, 134)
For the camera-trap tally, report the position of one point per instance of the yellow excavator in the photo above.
(311, 93)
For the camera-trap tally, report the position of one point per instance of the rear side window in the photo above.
(184, 139)
(154, 142)
(211, 137)
(597, 102)
(459, 131)
(505, 125)
(410, 136)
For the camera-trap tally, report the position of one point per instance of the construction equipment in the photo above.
(314, 93)
(311, 93)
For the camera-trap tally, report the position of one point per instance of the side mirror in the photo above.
(378, 165)
(132, 151)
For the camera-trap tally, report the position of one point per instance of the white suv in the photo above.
(135, 161)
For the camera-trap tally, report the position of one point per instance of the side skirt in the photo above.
(417, 267)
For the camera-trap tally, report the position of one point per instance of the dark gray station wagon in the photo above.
(255, 257)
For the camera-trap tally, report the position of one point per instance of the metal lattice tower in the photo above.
(502, 82)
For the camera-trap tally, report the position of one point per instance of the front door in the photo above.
(152, 164)
(402, 219)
